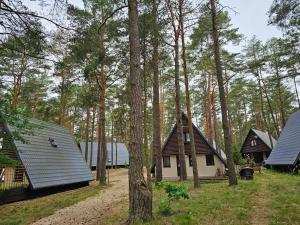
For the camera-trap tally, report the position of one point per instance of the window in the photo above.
(186, 137)
(166, 162)
(190, 160)
(1, 143)
(253, 143)
(19, 174)
(210, 160)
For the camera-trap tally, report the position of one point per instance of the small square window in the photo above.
(166, 162)
(190, 160)
(210, 160)
(186, 137)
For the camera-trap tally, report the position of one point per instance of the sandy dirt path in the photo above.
(93, 209)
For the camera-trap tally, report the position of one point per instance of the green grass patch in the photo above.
(271, 198)
(26, 212)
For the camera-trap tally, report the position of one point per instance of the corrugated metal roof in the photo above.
(48, 166)
(287, 149)
(120, 155)
(264, 136)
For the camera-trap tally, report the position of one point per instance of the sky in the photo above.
(251, 18)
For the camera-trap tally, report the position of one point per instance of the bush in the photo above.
(164, 207)
(174, 192)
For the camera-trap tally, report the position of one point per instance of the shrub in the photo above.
(174, 192)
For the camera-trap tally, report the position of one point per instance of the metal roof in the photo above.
(46, 165)
(287, 149)
(120, 155)
(264, 136)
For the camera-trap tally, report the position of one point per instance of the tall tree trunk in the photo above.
(209, 110)
(147, 153)
(140, 197)
(296, 90)
(92, 136)
(87, 131)
(63, 100)
(162, 113)
(176, 30)
(227, 135)
(156, 147)
(269, 104)
(188, 100)
(280, 98)
(215, 120)
(266, 123)
(102, 148)
(102, 138)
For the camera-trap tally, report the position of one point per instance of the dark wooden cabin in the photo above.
(210, 162)
(257, 145)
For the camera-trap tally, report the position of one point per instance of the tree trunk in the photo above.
(209, 110)
(188, 100)
(162, 113)
(63, 100)
(215, 120)
(156, 147)
(92, 135)
(147, 153)
(87, 131)
(183, 173)
(266, 124)
(140, 197)
(281, 103)
(227, 136)
(269, 104)
(296, 90)
(102, 138)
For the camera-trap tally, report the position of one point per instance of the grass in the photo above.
(271, 198)
(26, 212)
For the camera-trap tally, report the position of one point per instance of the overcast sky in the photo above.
(250, 17)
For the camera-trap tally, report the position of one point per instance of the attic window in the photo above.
(52, 142)
(253, 143)
(1, 143)
(186, 137)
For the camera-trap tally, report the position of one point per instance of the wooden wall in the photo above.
(171, 147)
(260, 145)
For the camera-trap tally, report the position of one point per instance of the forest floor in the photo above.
(271, 198)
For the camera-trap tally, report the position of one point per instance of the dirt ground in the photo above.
(94, 209)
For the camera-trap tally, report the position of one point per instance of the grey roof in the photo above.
(264, 136)
(48, 166)
(287, 149)
(120, 153)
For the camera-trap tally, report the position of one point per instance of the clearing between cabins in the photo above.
(94, 209)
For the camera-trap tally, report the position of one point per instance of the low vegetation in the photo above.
(271, 198)
(26, 212)
(174, 192)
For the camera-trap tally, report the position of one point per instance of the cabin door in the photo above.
(178, 165)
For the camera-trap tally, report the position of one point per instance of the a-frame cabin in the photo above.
(210, 163)
(258, 145)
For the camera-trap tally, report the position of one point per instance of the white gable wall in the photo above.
(203, 169)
